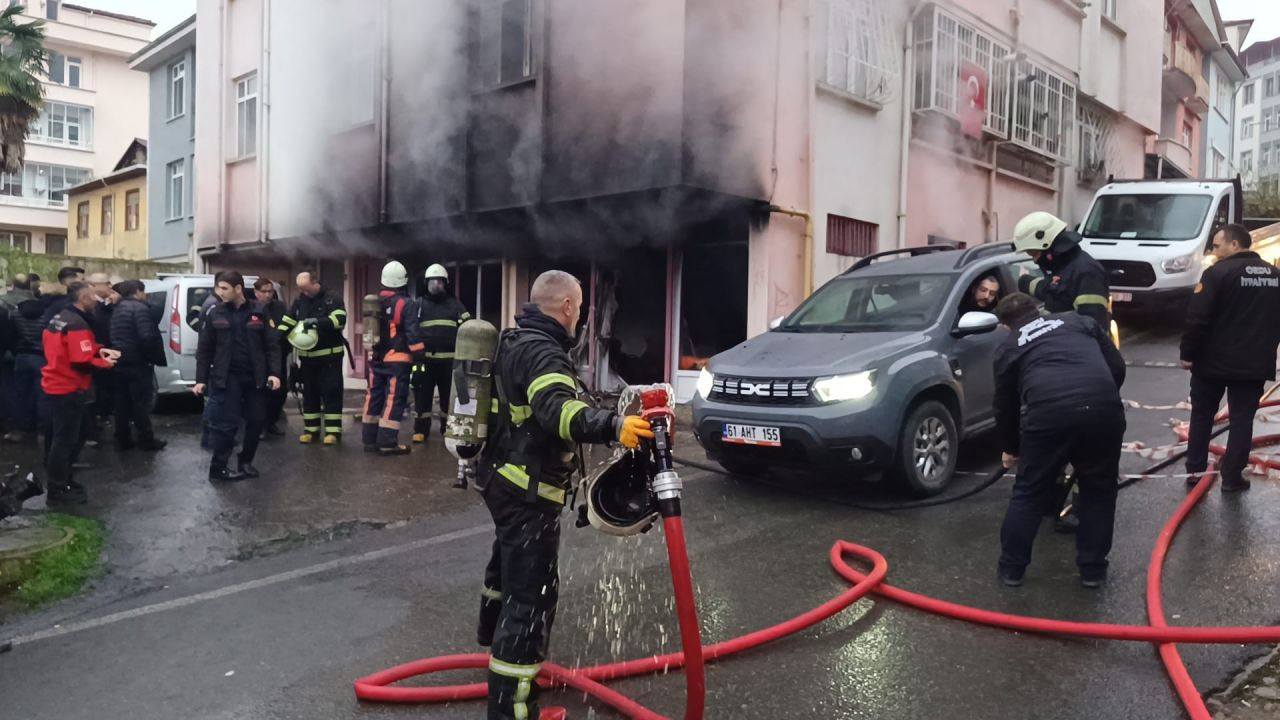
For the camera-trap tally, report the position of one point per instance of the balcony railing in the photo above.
(1180, 58)
(42, 139)
(35, 202)
(1175, 152)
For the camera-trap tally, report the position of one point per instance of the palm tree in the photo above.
(22, 59)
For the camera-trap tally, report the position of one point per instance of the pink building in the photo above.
(701, 165)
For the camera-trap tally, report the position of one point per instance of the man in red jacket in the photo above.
(72, 353)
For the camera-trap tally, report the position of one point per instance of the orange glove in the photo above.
(632, 429)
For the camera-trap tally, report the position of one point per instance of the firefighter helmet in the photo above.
(618, 498)
(303, 338)
(437, 271)
(394, 275)
(1037, 231)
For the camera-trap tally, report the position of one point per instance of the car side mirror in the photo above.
(975, 323)
(777, 322)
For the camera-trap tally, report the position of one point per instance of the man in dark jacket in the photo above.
(73, 355)
(318, 311)
(264, 291)
(1073, 280)
(525, 474)
(28, 357)
(438, 316)
(54, 304)
(135, 334)
(104, 382)
(1229, 345)
(1057, 401)
(236, 360)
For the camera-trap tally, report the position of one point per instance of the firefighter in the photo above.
(1229, 345)
(438, 316)
(390, 362)
(1057, 401)
(320, 363)
(525, 473)
(1073, 279)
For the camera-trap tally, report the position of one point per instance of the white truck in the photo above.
(1153, 236)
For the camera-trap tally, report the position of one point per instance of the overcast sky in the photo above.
(1264, 13)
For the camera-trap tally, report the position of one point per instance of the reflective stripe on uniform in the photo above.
(519, 413)
(333, 423)
(440, 355)
(1035, 284)
(514, 670)
(568, 412)
(286, 322)
(489, 593)
(520, 479)
(1091, 300)
(311, 421)
(438, 323)
(320, 353)
(519, 703)
(542, 382)
(337, 316)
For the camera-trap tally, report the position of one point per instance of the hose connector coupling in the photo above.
(667, 485)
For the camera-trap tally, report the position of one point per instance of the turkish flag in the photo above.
(973, 98)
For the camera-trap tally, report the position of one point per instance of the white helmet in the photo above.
(394, 275)
(1037, 231)
(617, 498)
(437, 271)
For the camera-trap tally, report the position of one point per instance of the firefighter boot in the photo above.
(421, 428)
(330, 439)
(306, 438)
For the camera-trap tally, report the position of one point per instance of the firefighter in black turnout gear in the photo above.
(314, 328)
(1229, 345)
(1073, 279)
(1057, 401)
(437, 316)
(525, 477)
(390, 360)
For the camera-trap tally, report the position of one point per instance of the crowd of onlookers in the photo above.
(77, 357)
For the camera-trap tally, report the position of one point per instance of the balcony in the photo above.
(1183, 77)
(43, 203)
(1172, 152)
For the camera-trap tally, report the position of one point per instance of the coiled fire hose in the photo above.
(378, 687)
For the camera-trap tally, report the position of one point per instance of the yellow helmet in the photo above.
(303, 339)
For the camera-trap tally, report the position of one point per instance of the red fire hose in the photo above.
(588, 679)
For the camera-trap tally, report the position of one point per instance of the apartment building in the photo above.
(170, 66)
(700, 165)
(94, 108)
(1259, 125)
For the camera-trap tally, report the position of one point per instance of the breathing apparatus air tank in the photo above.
(370, 307)
(467, 426)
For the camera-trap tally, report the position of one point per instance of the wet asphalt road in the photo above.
(223, 602)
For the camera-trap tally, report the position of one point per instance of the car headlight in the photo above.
(705, 381)
(844, 387)
(1178, 264)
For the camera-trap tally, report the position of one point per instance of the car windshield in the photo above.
(872, 303)
(1147, 217)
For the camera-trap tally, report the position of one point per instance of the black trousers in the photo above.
(322, 394)
(135, 398)
(104, 393)
(1242, 404)
(429, 378)
(385, 403)
(277, 398)
(518, 602)
(1090, 440)
(65, 420)
(240, 400)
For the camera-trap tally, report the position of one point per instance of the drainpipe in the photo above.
(808, 243)
(908, 72)
(222, 125)
(264, 127)
(384, 75)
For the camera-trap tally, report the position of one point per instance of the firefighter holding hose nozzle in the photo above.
(525, 470)
(1057, 401)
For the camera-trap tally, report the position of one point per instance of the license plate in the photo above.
(752, 435)
(1121, 297)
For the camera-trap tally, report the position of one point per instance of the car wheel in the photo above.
(745, 469)
(928, 449)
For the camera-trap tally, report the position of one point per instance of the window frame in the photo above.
(1249, 93)
(7, 238)
(1246, 161)
(49, 239)
(855, 32)
(1246, 128)
(177, 95)
(107, 214)
(246, 106)
(175, 172)
(132, 210)
(82, 219)
(83, 121)
(1111, 9)
(51, 10)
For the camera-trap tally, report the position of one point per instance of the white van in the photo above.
(1152, 236)
(175, 301)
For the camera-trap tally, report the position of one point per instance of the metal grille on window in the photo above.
(862, 55)
(849, 237)
(944, 44)
(1043, 110)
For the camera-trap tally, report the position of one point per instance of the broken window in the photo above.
(713, 300)
(504, 34)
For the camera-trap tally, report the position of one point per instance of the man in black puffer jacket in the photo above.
(28, 357)
(136, 335)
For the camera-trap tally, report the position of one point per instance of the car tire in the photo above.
(928, 448)
(744, 469)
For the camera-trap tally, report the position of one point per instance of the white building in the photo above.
(94, 107)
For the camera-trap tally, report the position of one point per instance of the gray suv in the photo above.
(887, 367)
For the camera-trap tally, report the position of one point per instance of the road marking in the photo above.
(246, 586)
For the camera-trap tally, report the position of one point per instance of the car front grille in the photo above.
(1129, 273)
(763, 391)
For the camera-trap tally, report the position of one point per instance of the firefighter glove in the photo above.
(632, 430)
(310, 323)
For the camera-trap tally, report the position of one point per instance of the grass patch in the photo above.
(60, 573)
